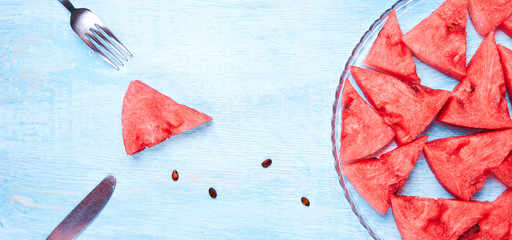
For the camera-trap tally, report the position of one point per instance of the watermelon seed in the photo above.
(472, 88)
(305, 201)
(266, 163)
(461, 103)
(451, 28)
(212, 192)
(468, 233)
(475, 228)
(175, 175)
(457, 58)
(416, 90)
(348, 103)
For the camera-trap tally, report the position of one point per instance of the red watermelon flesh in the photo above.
(149, 117)
(460, 164)
(363, 131)
(417, 218)
(497, 224)
(407, 108)
(378, 179)
(479, 100)
(486, 15)
(426, 218)
(504, 171)
(440, 39)
(506, 63)
(389, 53)
(459, 216)
(506, 26)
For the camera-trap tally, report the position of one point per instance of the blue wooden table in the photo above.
(266, 71)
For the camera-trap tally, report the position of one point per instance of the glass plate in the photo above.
(422, 181)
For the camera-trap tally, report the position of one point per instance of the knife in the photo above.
(85, 212)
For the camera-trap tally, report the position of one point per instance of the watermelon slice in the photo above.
(460, 164)
(506, 63)
(363, 131)
(506, 26)
(479, 101)
(504, 171)
(389, 53)
(497, 224)
(486, 15)
(407, 108)
(460, 216)
(149, 117)
(419, 218)
(440, 39)
(378, 179)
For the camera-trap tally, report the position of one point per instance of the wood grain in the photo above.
(266, 71)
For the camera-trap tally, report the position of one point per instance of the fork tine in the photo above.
(93, 47)
(106, 40)
(101, 44)
(109, 33)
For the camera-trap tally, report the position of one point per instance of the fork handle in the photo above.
(68, 5)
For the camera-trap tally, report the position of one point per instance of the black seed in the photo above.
(305, 201)
(175, 175)
(266, 163)
(472, 88)
(461, 103)
(416, 90)
(212, 192)
(348, 103)
(475, 228)
(470, 233)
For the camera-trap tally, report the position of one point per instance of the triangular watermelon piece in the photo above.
(440, 39)
(419, 218)
(407, 108)
(389, 53)
(504, 171)
(363, 131)
(506, 63)
(378, 179)
(460, 216)
(479, 101)
(460, 164)
(497, 224)
(486, 15)
(149, 117)
(506, 26)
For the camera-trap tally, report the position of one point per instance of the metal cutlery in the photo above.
(85, 212)
(88, 26)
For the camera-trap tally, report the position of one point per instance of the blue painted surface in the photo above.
(266, 71)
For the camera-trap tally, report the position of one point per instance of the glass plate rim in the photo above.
(337, 101)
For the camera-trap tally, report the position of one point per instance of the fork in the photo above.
(85, 24)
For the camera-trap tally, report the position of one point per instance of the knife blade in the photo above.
(85, 212)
